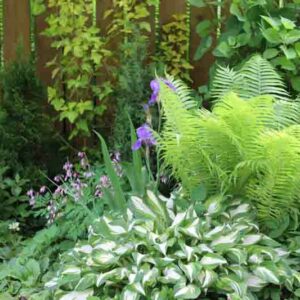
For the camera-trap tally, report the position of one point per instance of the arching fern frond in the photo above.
(276, 187)
(261, 78)
(184, 92)
(257, 77)
(226, 80)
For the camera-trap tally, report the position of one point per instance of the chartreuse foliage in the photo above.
(240, 148)
(127, 14)
(163, 253)
(75, 94)
(174, 47)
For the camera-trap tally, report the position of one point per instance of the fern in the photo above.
(226, 80)
(184, 92)
(240, 148)
(257, 77)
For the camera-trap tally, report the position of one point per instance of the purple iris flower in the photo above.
(154, 84)
(145, 137)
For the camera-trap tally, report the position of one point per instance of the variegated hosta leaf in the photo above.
(192, 229)
(190, 291)
(255, 282)
(267, 274)
(157, 206)
(234, 285)
(172, 275)
(141, 209)
(77, 295)
(103, 258)
(225, 241)
(212, 260)
(240, 210)
(251, 239)
(207, 278)
(214, 205)
(191, 270)
(116, 274)
(150, 277)
(237, 255)
(129, 294)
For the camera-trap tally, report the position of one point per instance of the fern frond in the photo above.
(257, 77)
(184, 92)
(226, 80)
(276, 187)
(261, 78)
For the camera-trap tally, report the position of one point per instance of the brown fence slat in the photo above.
(201, 67)
(44, 52)
(16, 27)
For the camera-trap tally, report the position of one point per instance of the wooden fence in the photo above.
(18, 25)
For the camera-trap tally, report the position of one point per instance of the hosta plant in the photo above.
(157, 252)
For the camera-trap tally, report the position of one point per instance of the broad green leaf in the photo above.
(203, 28)
(206, 43)
(288, 24)
(236, 11)
(270, 53)
(197, 3)
(292, 36)
(297, 48)
(296, 83)
(289, 53)
(272, 35)
(274, 22)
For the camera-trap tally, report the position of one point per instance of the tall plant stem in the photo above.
(188, 25)
(281, 3)
(1, 32)
(219, 17)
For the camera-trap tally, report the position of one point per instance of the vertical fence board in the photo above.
(16, 27)
(44, 52)
(201, 67)
(170, 7)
